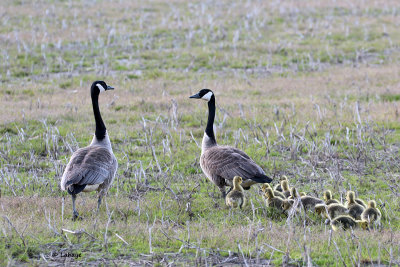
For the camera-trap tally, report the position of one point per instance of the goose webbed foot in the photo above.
(76, 216)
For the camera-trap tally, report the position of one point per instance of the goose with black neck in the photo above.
(92, 168)
(222, 163)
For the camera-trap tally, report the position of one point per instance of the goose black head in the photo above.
(100, 86)
(205, 94)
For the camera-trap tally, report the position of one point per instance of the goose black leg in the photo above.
(76, 214)
(222, 189)
(99, 202)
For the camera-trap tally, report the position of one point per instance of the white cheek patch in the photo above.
(101, 88)
(207, 96)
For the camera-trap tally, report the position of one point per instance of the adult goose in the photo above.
(93, 167)
(222, 163)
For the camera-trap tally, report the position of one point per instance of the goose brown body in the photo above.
(91, 168)
(221, 164)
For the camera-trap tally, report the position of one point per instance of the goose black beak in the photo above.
(195, 96)
(110, 87)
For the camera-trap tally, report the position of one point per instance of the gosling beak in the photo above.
(110, 87)
(195, 96)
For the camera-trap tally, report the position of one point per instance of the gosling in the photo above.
(328, 198)
(276, 193)
(285, 188)
(346, 222)
(308, 203)
(293, 193)
(271, 200)
(372, 213)
(355, 209)
(331, 211)
(278, 186)
(359, 201)
(236, 198)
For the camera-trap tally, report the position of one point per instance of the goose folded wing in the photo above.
(90, 166)
(229, 164)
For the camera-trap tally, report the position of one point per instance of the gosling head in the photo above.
(205, 94)
(265, 186)
(100, 86)
(320, 208)
(372, 204)
(363, 225)
(350, 197)
(237, 180)
(327, 195)
(286, 204)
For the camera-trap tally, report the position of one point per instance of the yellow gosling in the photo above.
(346, 222)
(271, 200)
(355, 209)
(236, 198)
(372, 213)
(333, 210)
(285, 188)
(276, 193)
(278, 186)
(328, 198)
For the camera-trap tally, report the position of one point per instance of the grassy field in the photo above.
(309, 89)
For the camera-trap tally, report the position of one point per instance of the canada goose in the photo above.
(235, 198)
(355, 209)
(271, 200)
(328, 198)
(278, 186)
(221, 163)
(346, 222)
(285, 188)
(333, 210)
(371, 214)
(93, 167)
(276, 193)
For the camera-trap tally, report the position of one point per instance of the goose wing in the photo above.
(228, 162)
(88, 166)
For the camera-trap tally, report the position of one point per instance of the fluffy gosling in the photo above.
(346, 222)
(355, 209)
(372, 213)
(278, 186)
(309, 202)
(236, 198)
(271, 200)
(293, 193)
(276, 193)
(333, 210)
(285, 188)
(328, 198)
